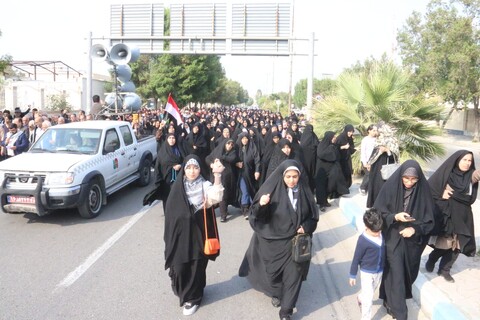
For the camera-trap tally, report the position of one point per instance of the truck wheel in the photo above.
(92, 206)
(145, 172)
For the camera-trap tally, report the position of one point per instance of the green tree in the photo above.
(275, 102)
(141, 74)
(4, 61)
(323, 87)
(58, 102)
(442, 51)
(258, 96)
(190, 78)
(382, 94)
(232, 93)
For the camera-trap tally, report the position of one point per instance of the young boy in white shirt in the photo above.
(370, 257)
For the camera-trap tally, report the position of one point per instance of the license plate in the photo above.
(21, 199)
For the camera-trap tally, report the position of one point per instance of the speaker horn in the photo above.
(121, 54)
(124, 73)
(99, 52)
(132, 102)
(128, 86)
(110, 100)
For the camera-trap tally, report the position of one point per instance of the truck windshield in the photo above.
(68, 140)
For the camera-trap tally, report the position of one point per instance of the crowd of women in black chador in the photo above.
(262, 140)
(255, 147)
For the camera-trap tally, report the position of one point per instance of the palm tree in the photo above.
(383, 93)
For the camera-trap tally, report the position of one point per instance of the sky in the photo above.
(346, 31)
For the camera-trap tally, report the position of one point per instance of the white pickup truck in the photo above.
(76, 165)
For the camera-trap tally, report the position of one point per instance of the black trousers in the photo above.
(223, 208)
(366, 179)
(189, 280)
(448, 258)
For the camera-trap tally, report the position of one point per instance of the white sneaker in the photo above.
(189, 308)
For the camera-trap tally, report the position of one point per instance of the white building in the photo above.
(41, 79)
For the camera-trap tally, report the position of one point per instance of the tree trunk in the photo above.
(477, 118)
(454, 107)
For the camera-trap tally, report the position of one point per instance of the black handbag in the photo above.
(302, 248)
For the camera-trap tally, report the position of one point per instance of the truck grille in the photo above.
(23, 181)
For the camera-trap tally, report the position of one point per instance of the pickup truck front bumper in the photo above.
(28, 194)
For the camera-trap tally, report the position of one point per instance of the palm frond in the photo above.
(384, 94)
(350, 88)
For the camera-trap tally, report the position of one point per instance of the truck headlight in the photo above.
(59, 178)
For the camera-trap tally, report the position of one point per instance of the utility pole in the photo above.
(310, 74)
(89, 75)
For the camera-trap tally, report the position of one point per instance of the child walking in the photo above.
(370, 256)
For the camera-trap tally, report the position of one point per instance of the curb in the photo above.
(431, 300)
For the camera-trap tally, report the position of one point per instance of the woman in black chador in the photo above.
(282, 152)
(271, 141)
(454, 188)
(297, 152)
(308, 144)
(386, 150)
(169, 162)
(249, 171)
(283, 207)
(197, 143)
(347, 148)
(184, 233)
(329, 179)
(407, 208)
(228, 156)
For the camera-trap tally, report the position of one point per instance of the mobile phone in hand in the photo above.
(409, 218)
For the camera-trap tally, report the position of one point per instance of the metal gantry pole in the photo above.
(310, 73)
(89, 75)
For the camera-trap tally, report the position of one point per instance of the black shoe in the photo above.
(223, 219)
(286, 318)
(275, 302)
(328, 204)
(446, 275)
(323, 209)
(430, 265)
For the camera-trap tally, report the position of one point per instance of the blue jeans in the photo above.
(246, 199)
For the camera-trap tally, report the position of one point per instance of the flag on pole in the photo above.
(173, 110)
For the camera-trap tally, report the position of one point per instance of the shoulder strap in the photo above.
(205, 221)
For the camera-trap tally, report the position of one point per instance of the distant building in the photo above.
(36, 80)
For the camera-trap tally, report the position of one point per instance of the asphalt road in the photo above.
(64, 267)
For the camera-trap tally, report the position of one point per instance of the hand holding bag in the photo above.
(388, 169)
(302, 248)
(212, 245)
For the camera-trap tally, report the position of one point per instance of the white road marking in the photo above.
(81, 269)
